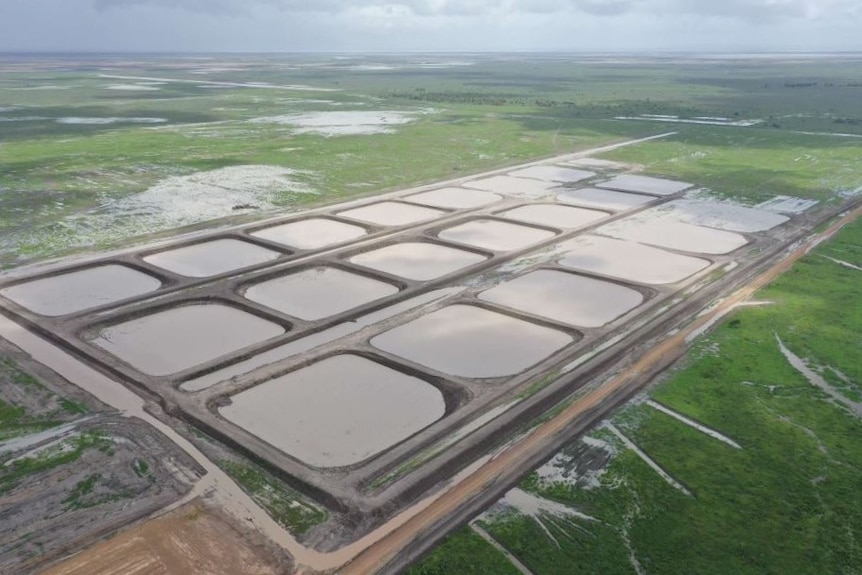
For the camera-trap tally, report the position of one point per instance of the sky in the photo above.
(430, 25)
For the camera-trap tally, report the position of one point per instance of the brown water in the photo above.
(454, 198)
(212, 258)
(338, 411)
(468, 341)
(318, 292)
(553, 174)
(417, 260)
(175, 339)
(604, 199)
(391, 214)
(514, 187)
(79, 290)
(311, 234)
(675, 235)
(565, 297)
(645, 185)
(495, 235)
(628, 260)
(555, 216)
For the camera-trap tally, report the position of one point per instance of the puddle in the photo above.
(318, 293)
(628, 260)
(645, 185)
(515, 187)
(454, 198)
(675, 235)
(211, 258)
(553, 174)
(311, 234)
(417, 260)
(554, 216)
(338, 411)
(172, 340)
(787, 205)
(565, 297)
(391, 214)
(607, 199)
(79, 290)
(468, 341)
(341, 123)
(721, 215)
(494, 235)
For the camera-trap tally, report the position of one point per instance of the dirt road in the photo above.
(377, 557)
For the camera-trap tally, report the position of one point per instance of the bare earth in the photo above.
(190, 540)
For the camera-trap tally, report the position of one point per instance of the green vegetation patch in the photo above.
(788, 502)
(290, 509)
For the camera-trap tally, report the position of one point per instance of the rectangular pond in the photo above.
(669, 233)
(318, 292)
(211, 258)
(338, 411)
(494, 235)
(603, 199)
(417, 260)
(629, 261)
(469, 341)
(392, 214)
(565, 297)
(554, 215)
(310, 234)
(645, 185)
(174, 339)
(553, 174)
(79, 290)
(454, 198)
(514, 187)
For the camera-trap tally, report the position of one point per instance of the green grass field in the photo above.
(495, 112)
(788, 502)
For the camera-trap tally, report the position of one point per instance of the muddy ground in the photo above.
(191, 540)
(71, 470)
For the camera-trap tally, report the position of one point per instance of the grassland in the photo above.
(786, 502)
(496, 111)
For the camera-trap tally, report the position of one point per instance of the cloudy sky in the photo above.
(431, 25)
